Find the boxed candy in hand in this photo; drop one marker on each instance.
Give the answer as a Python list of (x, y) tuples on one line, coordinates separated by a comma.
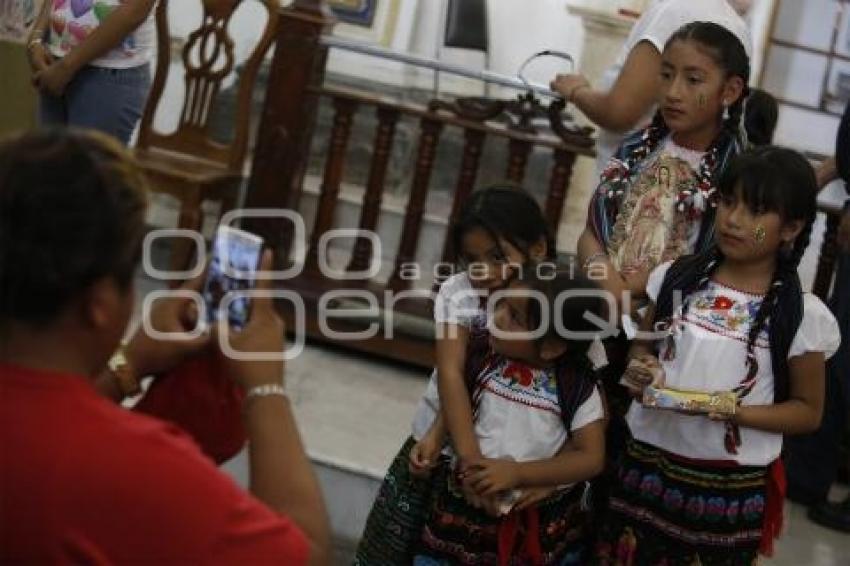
[(723, 402)]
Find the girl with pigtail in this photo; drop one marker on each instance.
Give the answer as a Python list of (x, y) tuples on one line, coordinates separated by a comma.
[(656, 198), (697, 489)]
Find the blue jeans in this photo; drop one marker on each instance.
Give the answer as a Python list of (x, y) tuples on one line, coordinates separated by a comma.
[(109, 100)]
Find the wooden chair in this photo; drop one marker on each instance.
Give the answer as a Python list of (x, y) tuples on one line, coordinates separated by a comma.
[(188, 164)]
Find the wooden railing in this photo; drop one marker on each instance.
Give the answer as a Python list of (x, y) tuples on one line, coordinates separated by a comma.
[(296, 84)]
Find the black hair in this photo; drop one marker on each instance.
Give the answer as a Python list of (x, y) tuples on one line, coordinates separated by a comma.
[(507, 212), (727, 51), (574, 374), (767, 179), (72, 207), (761, 113)]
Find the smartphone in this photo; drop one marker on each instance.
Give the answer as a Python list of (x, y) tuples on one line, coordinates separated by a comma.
[(233, 267)]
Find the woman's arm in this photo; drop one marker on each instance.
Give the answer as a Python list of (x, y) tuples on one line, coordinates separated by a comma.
[(600, 269), (120, 23), (826, 172), (630, 98), (802, 412), (454, 395), (597, 266), (37, 53), (41, 23)]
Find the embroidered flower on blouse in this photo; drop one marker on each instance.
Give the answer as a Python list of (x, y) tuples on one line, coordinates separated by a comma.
[(519, 374)]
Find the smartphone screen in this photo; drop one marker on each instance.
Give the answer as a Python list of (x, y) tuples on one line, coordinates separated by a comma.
[(233, 267)]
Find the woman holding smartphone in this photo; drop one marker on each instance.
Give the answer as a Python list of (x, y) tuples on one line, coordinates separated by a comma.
[(81, 479)]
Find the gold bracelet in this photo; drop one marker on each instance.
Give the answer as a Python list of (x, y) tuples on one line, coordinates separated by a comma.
[(592, 259), (34, 42), (124, 373)]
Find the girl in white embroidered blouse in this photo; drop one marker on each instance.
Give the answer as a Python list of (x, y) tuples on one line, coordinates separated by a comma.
[(709, 488), (539, 427), (498, 229)]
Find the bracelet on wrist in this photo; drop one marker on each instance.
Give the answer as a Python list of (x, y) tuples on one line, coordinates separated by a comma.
[(35, 41), (592, 259), (267, 390)]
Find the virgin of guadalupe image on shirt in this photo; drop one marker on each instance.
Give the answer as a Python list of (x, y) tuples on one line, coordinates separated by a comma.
[(649, 229)]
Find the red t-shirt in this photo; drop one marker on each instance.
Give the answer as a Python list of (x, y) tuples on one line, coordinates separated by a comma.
[(84, 481)]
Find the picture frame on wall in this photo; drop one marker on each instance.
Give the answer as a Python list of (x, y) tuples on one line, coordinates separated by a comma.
[(355, 12), (388, 23)]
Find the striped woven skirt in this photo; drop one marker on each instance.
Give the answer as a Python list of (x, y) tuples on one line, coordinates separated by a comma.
[(668, 510), (553, 532), (395, 522)]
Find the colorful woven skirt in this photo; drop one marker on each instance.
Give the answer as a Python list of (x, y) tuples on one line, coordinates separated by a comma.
[(395, 522), (668, 510), (553, 532)]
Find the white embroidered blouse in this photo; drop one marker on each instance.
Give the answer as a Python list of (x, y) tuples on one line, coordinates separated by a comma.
[(710, 351)]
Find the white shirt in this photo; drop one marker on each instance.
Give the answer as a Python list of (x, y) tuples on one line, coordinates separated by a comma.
[(519, 415), (457, 303), (72, 21), (710, 355), (657, 25)]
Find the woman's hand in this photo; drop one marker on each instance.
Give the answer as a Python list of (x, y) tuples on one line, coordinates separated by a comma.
[(568, 85), (491, 477), (54, 78), (264, 334), (39, 58), (173, 315)]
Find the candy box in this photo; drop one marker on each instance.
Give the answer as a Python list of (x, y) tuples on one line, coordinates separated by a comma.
[(723, 402)]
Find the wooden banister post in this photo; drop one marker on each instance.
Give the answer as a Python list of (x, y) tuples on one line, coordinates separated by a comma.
[(288, 118)]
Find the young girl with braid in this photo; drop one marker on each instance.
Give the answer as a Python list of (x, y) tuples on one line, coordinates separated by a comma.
[(696, 489), (655, 200)]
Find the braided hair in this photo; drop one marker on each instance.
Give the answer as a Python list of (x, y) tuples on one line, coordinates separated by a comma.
[(728, 53), (767, 179), (505, 212)]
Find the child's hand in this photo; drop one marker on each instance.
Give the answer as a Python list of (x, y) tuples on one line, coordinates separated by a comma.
[(490, 477), (643, 370), (424, 455), (532, 496)]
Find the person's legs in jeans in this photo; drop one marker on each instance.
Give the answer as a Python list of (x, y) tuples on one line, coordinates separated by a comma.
[(52, 110), (109, 100)]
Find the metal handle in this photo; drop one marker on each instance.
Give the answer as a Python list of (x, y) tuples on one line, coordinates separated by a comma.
[(544, 53)]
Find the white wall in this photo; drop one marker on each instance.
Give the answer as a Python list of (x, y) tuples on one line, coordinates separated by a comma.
[(517, 29)]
